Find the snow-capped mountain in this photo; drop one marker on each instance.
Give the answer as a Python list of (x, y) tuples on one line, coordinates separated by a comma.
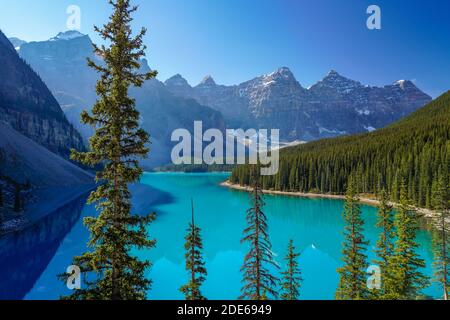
[(35, 136), (28, 106), (16, 42), (68, 35), (61, 63), (333, 106)]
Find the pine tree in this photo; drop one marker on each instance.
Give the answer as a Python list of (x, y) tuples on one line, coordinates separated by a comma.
[(352, 284), (403, 280), (441, 236), (258, 282), (194, 262), (117, 144), (385, 243), (291, 281)]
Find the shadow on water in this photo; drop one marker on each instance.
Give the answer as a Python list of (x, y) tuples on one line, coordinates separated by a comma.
[(146, 198), (33, 257), (25, 255)]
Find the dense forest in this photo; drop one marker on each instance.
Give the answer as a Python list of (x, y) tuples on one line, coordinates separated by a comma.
[(414, 150)]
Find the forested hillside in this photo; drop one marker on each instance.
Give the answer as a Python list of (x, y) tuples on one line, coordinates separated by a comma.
[(416, 149)]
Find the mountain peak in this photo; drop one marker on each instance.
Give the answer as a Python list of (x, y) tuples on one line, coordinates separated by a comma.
[(177, 81), (333, 73), (403, 84), (68, 35), (338, 82), (16, 42), (208, 81), (281, 75)]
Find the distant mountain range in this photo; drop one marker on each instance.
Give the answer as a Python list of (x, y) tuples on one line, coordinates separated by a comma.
[(35, 135), (333, 106), (61, 62), (29, 107)]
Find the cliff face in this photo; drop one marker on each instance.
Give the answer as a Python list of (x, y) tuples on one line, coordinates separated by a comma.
[(333, 106), (27, 105), (61, 62)]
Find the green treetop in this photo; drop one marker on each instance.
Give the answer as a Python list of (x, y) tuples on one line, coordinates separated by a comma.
[(291, 280), (404, 280)]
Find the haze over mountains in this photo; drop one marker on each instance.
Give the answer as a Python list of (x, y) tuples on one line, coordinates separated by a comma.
[(61, 62)]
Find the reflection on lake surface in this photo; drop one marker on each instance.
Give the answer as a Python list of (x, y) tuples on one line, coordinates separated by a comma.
[(30, 261)]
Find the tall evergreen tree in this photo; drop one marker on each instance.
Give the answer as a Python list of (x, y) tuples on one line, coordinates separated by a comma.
[(352, 284), (291, 280), (385, 243), (194, 262), (441, 236), (403, 280), (258, 281), (117, 144)]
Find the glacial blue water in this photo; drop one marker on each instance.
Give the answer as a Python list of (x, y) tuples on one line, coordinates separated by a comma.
[(31, 260)]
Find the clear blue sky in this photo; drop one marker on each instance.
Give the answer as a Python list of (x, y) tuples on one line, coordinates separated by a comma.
[(235, 40)]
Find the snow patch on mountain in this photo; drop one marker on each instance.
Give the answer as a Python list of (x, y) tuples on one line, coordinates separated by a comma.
[(68, 35)]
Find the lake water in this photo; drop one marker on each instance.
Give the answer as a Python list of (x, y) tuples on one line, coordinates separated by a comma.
[(31, 260)]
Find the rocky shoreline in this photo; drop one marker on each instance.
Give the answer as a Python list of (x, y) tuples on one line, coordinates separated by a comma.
[(426, 213)]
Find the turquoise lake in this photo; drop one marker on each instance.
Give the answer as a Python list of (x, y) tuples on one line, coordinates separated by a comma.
[(30, 261)]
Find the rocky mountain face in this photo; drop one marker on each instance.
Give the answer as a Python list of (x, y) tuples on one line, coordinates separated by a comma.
[(24, 161), (28, 106), (333, 106), (61, 62), (16, 42)]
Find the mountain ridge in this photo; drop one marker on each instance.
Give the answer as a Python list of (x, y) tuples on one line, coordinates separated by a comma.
[(29, 107), (62, 65), (278, 100)]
